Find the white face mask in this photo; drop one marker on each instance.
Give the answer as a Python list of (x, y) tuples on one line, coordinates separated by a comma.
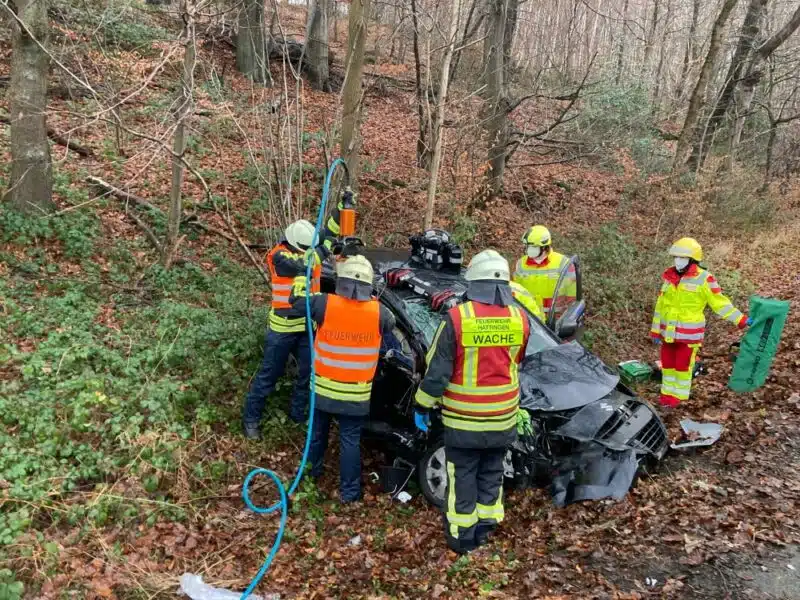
[(681, 263), (536, 253)]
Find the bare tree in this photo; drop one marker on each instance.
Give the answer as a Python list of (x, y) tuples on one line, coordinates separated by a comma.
[(622, 43), (317, 44), (422, 135), (696, 99), (251, 43), (691, 51), (747, 37), (437, 132), (31, 183), (352, 96), (182, 113), (497, 121), (753, 75)]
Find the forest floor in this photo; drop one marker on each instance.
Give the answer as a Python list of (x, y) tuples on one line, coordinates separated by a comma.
[(121, 383)]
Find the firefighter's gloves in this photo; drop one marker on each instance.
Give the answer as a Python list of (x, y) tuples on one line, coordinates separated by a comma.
[(748, 322), (656, 341), (422, 421), (524, 426), (299, 286), (317, 255), (322, 251)]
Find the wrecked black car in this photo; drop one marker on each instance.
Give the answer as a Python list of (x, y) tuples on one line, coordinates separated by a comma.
[(590, 435)]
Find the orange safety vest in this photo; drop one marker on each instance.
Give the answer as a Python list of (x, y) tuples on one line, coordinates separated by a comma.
[(282, 286), (346, 349), (483, 393)]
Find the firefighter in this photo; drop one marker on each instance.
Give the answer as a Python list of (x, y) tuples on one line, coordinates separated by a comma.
[(472, 372), (526, 299), (287, 326), (539, 270), (679, 322), (350, 326)]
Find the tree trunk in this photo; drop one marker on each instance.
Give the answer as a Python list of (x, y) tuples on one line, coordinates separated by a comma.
[(621, 51), (251, 44), (469, 31), (661, 56), (497, 123), (773, 136), (743, 102), (351, 92), (696, 99), (317, 45), (437, 132), (182, 113), (744, 47), (31, 183), (512, 10), (651, 39), (689, 56), (422, 144)]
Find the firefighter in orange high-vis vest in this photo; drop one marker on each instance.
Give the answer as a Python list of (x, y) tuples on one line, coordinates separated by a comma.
[(472, 373), (350, 326), (287, 326), (679, 321), (539, 270)]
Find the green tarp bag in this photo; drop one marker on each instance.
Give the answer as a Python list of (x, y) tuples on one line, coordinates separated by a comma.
[(759, 344)]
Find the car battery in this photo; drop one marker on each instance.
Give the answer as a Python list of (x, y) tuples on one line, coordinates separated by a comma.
[(634, 371)]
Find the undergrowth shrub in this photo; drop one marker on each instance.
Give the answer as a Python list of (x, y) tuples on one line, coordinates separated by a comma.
[(619, 116), (620, 281), (736, 206), (103, 377)]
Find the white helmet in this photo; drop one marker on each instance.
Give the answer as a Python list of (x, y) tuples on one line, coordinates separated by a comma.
[(300, 234), (357, 268), (488, 265)]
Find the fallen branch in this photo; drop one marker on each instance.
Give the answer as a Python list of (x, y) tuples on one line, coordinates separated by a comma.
[(147, 231), (193, 219), (121, 194), (59, 139)]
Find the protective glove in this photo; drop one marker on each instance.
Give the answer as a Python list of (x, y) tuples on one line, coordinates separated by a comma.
[(422, 421), (299, 286), (656, 341), (322, 252), (748, 322), (524, 425)]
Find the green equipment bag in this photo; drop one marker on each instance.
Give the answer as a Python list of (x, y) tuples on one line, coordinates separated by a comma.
[(759, 344)]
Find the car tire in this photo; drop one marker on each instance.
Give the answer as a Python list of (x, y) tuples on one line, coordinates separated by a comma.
[(432, 473)]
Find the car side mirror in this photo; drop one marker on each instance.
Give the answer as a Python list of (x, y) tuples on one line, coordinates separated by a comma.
[(570, 323)]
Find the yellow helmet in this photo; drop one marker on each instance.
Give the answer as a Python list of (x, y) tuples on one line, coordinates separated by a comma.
[(687, 248), (538, 235)]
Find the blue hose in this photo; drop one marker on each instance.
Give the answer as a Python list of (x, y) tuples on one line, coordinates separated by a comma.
[(283, 503)]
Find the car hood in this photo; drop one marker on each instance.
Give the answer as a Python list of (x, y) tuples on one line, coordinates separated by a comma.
[(564, 377)]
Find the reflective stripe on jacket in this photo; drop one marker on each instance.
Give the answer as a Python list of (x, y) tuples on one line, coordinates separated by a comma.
[(526, 299), (347, 349), (481, 398), (282, 318), (679, 313), (541, 279)]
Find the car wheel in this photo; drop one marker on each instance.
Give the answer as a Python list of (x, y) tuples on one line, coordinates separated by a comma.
[(432, 471)]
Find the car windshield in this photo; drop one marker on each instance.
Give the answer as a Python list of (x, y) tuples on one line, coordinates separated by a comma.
[(427, 320)]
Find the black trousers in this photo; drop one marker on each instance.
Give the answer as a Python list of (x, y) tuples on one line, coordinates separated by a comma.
[(474, 495)]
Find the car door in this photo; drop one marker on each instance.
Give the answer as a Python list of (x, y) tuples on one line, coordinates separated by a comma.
[(564, 316)]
